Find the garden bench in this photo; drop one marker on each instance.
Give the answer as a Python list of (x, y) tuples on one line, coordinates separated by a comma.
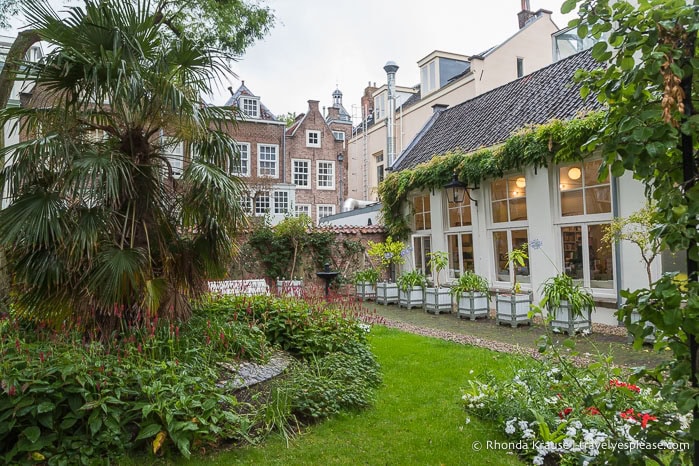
[(240, 287)]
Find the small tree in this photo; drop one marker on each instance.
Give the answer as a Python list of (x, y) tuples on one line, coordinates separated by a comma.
[(438, 261), (294, 230), (388, 253), (639, 229)]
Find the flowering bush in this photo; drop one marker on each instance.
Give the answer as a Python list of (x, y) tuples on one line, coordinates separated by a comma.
[(572, 415)]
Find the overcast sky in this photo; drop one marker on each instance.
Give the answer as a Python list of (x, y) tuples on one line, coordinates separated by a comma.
[(317, 45)]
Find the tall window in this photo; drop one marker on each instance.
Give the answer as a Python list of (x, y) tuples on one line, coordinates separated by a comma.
[(301, 173), (325, 174), (250, 107), (423, 214), (505, 241), (267, 160), (379, 167), (509, 199), (459, 214), (585, 209), (246, 204), (262, 203), (324, 210), (428, 77), (422, 246), (312, 138), (520, 67), (460, 250), (174, 153), (241, 164), (281, 202), (581, 193)]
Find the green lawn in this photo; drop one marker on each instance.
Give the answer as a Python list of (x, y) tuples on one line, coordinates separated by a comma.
[(417, 418)]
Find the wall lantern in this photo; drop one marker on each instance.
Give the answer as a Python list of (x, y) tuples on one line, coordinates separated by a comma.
[(456, 190), (574, 173), (521, 182)]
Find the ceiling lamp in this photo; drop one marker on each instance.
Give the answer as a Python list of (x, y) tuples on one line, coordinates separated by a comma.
[(521, 182), (574, 173)]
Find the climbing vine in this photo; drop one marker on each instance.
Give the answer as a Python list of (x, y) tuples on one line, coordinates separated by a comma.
[(533, 146)]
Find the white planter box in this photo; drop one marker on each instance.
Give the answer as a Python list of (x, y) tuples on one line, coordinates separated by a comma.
[(386, 293), (473, 305), (414, 297), (513, 309), (635, 317), (290, 288), (437, 300), (365, 291), (564, 320)]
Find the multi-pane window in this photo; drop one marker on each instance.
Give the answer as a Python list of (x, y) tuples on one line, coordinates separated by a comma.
[(250, 107), (241, 160), (509, 199), (324, 210), (422, 246), (312, 138), (379, 167), (267, 160), (423, 214), (459, 214), (262, 203), (581, 192), (303, 209), (174, 153), (460, 250), (586, 258), (246, 204), (505, 241), (325, 174), (339, 135), (301, 173), (428, 77), (281, 202)]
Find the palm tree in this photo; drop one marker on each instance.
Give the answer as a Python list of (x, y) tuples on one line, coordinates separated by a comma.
[(98, 225)]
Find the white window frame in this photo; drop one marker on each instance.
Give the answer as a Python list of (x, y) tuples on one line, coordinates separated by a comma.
[(422, 261), (259, 208), (308, 174), (313, 138), (583, 221), (250, 106), (332, 207), (280, 202), (339, 135), (424, 214), (243, 149), (456, 273), (275, 161), (509, 223), (302, 209), (325, 177), (173, 150), (526, 285)]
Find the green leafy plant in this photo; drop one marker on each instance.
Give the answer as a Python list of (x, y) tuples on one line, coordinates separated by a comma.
[(407, 280), (388, 253), (369, 275), (294, 228), (438, 261), (517, 257), (470, 282), (562, 288)]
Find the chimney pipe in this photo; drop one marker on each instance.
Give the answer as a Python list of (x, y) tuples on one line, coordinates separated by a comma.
[(390, 70)]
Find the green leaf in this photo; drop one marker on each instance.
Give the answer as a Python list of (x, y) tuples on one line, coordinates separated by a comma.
[(627, 63), (45, 407), (568, 6), (149, 431), (32, 433)]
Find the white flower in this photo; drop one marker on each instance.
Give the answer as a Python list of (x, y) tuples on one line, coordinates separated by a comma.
[(528, 434), (468, 420), (571, 432), (586, 463), (568, 443), (577, 424), (509, 429), (523, 425), (471, 371), (538, 460)]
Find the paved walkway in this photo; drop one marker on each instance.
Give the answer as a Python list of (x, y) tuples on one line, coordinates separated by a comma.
[(523, 340)]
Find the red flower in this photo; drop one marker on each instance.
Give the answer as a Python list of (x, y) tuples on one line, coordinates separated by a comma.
[(565, 412), (645, 417), (593, 411), (630, 386), (12, 391)]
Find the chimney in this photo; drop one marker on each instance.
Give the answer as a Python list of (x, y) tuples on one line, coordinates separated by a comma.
[(313, 106), (525, 15), (436, 108), (333, 113), (390, 70)]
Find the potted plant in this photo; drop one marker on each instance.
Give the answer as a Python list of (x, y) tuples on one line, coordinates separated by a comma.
[(472, 295), (389, 253), (365, 283), (437, 299), (411, 287), (513, 307), (569, 305)]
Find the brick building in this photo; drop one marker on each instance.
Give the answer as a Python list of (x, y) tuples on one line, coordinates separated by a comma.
[(300, 169)]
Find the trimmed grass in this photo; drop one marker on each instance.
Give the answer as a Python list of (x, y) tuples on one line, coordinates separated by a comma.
[(418, 417)]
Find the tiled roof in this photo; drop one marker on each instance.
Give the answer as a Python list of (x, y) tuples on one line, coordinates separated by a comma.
[(352, 229), (265, 114), (490, 118)]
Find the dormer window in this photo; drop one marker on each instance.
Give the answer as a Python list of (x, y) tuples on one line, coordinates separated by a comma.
[(250, 107), (428, 77)]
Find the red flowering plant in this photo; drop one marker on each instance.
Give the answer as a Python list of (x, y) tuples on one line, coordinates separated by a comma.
[(566, 410)]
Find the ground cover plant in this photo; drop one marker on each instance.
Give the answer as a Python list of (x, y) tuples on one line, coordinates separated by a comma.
[(69, 398)]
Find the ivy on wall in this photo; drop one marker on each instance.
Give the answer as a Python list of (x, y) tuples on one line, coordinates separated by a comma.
[(533, 146)]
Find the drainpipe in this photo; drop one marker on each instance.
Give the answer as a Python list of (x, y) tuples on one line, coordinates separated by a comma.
[(390, 70), (617, 250)]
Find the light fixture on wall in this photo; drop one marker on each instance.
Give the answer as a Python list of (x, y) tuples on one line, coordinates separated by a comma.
[(521, 182), (456, 190), (574, 173)]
